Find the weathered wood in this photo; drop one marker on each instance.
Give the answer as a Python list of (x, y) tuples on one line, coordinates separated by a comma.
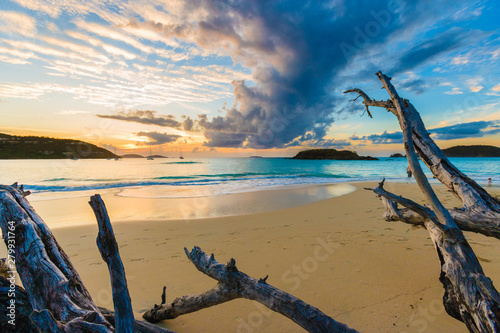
[(462, 218), (52, 284), (23, 311), (469, 295), (47, 275), (19, 314), (481, 211), (140, 326), (106, 242), (235, 284)]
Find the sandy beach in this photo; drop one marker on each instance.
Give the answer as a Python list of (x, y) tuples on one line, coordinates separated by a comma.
[(337, 254)]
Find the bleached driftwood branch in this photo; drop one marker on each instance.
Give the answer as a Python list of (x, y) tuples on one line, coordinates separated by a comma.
[(56, 298), (469, 295), (235, 284), (481, 211), (106, 242)]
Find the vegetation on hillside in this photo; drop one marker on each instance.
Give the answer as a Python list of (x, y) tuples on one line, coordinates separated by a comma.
[(37, 147), (330, 154), (472, 151)]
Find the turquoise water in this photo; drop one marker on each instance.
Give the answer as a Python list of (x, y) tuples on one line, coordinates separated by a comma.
[(173, 178)]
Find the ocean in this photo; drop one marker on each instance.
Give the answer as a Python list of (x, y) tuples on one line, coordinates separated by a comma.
[(196, 188), (174, 178)]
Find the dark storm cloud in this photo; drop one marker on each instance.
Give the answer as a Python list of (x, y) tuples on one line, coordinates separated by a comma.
[(293, 48), (145, 117), (296, 50), (158, 138), (476, 129)]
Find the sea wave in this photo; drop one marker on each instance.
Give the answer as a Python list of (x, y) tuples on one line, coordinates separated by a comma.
[(255, 179)]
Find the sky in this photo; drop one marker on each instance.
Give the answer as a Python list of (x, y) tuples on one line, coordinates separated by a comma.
[(242, 78)]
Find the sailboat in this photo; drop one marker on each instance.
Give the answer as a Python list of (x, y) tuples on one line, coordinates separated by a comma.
[(150, 157), (180, 155), (116, 158)]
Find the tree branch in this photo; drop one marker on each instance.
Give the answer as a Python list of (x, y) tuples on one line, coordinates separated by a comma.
[(235, 284)]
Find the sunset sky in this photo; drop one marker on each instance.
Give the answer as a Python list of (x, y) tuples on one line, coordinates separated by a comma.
[(239, 78)]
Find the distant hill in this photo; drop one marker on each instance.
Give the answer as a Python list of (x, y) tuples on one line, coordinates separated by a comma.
[(472, 151), (132, 156), (38, 147), (158, 156), (397, 155), (255, 157), (330, 154)]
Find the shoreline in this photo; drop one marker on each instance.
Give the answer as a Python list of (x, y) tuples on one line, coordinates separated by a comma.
[(74, 211), (372, 275)]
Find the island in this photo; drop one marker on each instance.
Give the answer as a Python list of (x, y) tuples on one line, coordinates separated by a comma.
[(38, 147), (397, 155), (472, 151), (331, 154), (132, 156), (158, 156), (255, 157)]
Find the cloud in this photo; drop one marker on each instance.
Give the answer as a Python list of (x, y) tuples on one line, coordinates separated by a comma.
[(496, 88), (454, 91), (417, 86), (475, 129), (71, 112), (430, 49), (157, 138), (384, 138), (145, 117), (17, 23), (188, 124), (294, 60)]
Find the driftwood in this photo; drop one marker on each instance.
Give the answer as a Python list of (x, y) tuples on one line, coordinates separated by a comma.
[(469, 295), (49, 278), (23, 311), (106, 242), (480, 212), (54, 298), (234, 284)]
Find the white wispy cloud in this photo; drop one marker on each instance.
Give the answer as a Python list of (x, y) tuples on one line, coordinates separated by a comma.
[(454, 91), (17, 23), (109, 32), (72, 112)]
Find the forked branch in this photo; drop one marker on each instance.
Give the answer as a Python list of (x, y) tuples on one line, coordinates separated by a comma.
[(234, 284), (469, 295)]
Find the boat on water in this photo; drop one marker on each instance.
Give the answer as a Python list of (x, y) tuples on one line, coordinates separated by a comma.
[(180, 155), (150, 157)]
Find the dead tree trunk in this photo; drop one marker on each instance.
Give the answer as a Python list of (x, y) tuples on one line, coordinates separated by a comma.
[(480, 212), (469, 295), (57, 299), (235, 284)]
